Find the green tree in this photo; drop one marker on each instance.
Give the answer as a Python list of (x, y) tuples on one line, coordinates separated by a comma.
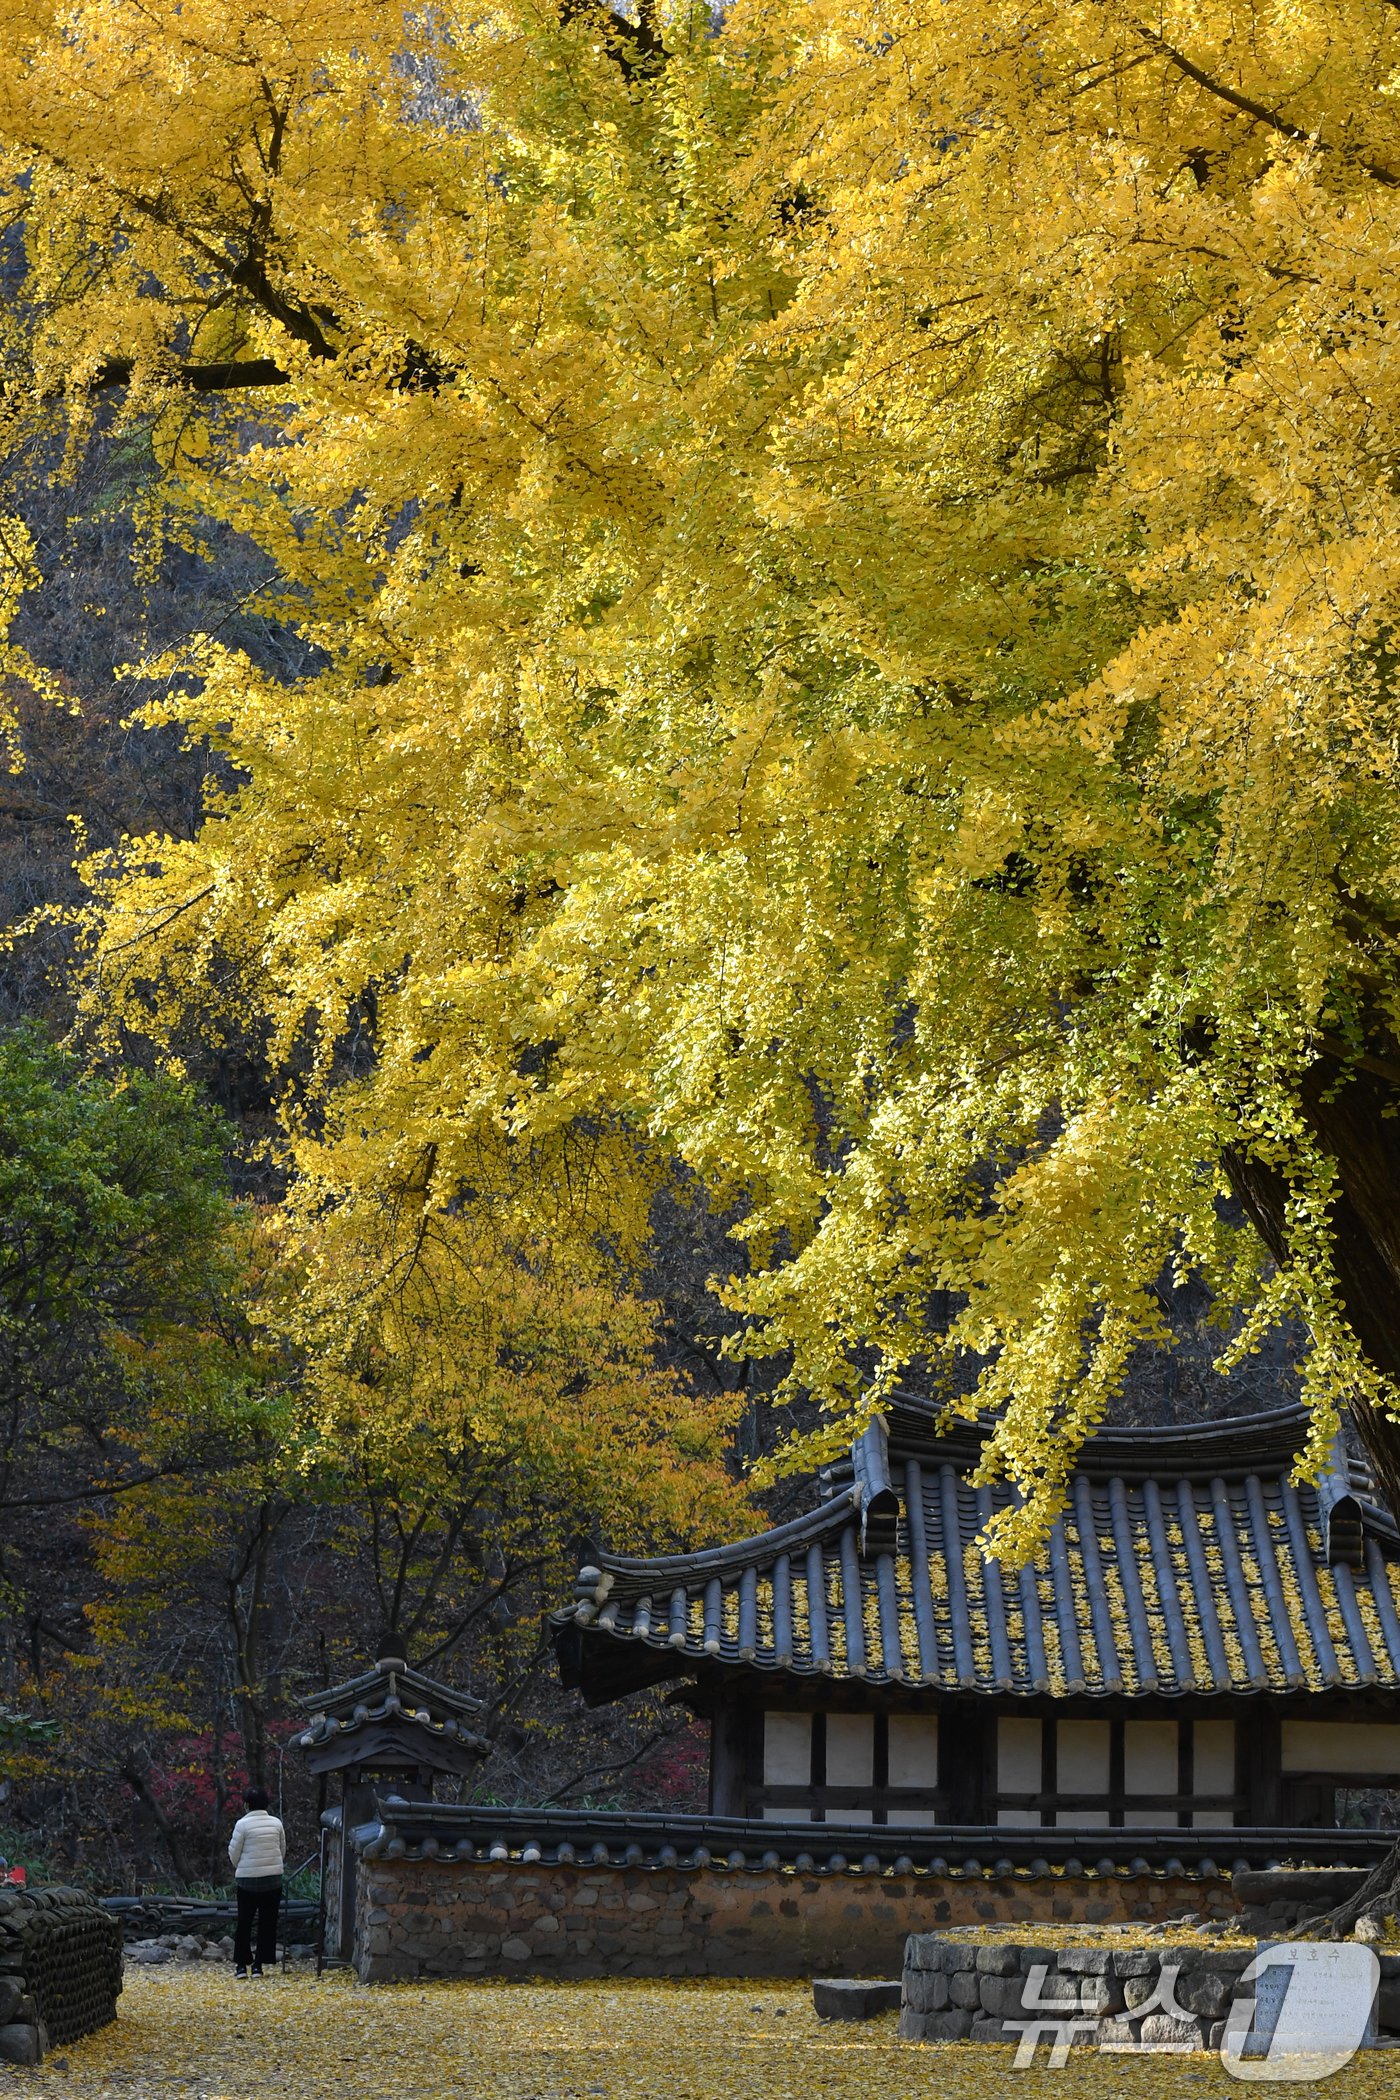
[(123, 1356)]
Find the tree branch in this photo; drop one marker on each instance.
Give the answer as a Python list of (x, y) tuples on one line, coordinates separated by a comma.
[(663, 1735), (203, 379), (1245, 104)]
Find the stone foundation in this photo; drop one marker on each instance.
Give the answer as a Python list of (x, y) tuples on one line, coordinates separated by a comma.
[(432, 1917), (1120, 1997)]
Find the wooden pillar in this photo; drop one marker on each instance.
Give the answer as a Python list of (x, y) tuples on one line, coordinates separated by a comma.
[(357, 1806), (731, 1729), (966, 1760), (1259, 1759)]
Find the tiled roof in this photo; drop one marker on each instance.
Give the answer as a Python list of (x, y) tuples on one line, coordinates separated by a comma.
[(626, 1840), (392, 1699), (1185, 1562)]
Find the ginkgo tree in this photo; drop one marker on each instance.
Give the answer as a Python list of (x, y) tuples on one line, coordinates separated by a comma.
[(850, 551)]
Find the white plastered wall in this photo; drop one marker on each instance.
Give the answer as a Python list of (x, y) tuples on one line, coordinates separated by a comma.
[(913, 1751), (787, 1751), (1018, 1758), (850, 1750)]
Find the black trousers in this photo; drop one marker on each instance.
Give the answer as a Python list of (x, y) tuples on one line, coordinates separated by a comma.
[(259, 1903)]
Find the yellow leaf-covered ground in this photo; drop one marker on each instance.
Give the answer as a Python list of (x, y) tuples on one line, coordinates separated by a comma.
[(195, 2033)]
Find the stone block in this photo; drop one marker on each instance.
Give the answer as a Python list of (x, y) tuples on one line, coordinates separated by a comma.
[(925, 1990), (963, 1989), (1085, 1961), (1205, 1992), (990, 2030), (1001, 1996), (955, 2025), (1096, 1997), (924, 1950), (852, 1998), (1135, 1961), (1158, 2028), (1118, 2033), (514, 1950), (21, 2042), (1387, 2003), (1138, 1989), (999, 1961), (1051, 1988), (1225, 1961), (11, 1991), (952, 2026)]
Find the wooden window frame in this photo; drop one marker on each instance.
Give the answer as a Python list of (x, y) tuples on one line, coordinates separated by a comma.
[(1178, 1810), (879, 1800)]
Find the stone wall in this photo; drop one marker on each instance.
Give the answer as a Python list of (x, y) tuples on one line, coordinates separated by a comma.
[(434, 1917), (60, 1969), (1122, 1996)]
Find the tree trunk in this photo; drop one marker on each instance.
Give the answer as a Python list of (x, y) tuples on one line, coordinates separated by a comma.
[(1378, 1897), (244, 1591), (1349, 1117)]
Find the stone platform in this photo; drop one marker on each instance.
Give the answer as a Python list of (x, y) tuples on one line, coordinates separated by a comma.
[(1129, 1996)]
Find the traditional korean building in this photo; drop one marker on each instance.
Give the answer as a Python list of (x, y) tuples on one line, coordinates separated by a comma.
[(389, 1733), (1201, 1645)]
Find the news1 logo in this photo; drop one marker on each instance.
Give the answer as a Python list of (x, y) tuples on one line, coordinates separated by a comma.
[(1313, 2007)]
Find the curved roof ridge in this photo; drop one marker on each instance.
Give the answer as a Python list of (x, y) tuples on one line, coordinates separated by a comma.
[(831, 1515), (1253, 1442)]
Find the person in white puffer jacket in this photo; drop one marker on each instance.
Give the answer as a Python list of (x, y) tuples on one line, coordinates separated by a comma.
[(258, 1850)]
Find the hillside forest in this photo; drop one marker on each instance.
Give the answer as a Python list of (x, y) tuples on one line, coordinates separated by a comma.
[(701, 720)]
